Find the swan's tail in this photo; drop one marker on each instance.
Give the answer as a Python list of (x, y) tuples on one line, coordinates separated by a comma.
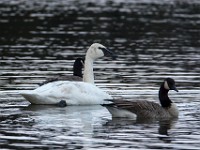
[(37, 98), (107, 102), (29, 96)]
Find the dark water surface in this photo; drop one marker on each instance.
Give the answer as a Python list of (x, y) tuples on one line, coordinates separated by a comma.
[(153, 39)]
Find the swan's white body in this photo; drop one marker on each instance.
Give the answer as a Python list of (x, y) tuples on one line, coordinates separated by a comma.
[(74, 93)]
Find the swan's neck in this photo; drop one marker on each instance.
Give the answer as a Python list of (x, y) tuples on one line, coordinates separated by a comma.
[(163, 97), (88, 75)]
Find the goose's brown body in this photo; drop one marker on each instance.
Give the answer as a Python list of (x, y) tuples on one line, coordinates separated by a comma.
[(147, 109)]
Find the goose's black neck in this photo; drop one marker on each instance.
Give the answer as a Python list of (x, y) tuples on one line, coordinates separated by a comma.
[(77, 70), (163, 97)]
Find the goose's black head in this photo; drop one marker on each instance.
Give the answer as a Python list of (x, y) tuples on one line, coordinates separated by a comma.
[(169, 84), (79, 62), (78, 66)]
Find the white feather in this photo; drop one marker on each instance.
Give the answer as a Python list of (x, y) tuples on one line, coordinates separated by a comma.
[(121, 113), (173, 110), (166, 86)]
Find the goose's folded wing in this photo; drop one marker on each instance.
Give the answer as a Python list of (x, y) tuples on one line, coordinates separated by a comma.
[(140, 108)]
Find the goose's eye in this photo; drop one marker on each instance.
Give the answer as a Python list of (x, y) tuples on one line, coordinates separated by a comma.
[(171, 84)]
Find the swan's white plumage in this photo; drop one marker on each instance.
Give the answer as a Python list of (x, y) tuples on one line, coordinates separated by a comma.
[(74, 93)]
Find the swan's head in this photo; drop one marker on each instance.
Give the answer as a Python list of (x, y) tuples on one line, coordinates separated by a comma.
[(97, 50), (169, 84)]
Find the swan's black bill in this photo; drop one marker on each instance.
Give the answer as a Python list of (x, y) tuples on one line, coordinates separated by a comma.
[(108, 52)]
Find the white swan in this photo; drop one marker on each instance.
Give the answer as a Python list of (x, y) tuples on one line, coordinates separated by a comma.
[(95, 51), (74, 93)]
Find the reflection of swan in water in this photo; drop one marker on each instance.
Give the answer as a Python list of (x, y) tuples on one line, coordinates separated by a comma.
[(68, 112), (72, 118), (73, 125)]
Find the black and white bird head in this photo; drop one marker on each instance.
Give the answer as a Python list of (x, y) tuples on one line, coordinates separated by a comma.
[(169, 84)]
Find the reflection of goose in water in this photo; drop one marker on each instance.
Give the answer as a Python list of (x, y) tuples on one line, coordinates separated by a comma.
[(4, 81), (165, 125), (146, 109), (73, 93), (77, 73), (142, 126)]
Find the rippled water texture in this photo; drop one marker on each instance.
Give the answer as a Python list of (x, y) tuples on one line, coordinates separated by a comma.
[(153, 39)]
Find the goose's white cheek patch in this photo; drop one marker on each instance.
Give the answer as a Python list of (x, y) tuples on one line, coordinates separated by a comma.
[(166, 86)]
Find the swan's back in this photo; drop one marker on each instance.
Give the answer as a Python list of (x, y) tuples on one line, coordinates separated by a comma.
[(63, 78), (74, 93)]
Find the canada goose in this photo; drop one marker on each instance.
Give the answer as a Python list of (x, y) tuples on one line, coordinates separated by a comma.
[(73, 92), (146, 109), (77, 73)]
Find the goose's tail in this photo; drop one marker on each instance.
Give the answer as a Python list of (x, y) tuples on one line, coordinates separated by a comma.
[(108, 102)]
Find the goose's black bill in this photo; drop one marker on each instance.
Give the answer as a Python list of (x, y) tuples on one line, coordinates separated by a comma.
[(174, 88)]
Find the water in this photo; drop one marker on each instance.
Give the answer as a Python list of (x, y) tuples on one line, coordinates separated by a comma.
[(153, 39)]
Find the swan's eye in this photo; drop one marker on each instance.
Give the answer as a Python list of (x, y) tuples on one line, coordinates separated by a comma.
[(102, 48)]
